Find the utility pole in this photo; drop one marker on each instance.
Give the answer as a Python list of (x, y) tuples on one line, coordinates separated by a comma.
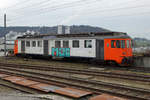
[(5, 35)]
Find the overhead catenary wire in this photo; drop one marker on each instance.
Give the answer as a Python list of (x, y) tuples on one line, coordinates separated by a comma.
[(18, 3), (115, 9), (97, 11), (32, 5), (54, 8), (57, 7), (62, 6), (123, 15)]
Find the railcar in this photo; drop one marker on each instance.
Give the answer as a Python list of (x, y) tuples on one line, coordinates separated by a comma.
[(106, 46)]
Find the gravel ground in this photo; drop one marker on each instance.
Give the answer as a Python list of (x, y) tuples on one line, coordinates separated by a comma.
[(6, 90), (15, 97), (11, 94)]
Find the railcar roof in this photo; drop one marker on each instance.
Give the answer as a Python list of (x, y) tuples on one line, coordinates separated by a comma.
[(89, 35)]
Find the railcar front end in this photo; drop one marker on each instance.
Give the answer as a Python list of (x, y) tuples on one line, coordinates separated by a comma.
[(118, 50)]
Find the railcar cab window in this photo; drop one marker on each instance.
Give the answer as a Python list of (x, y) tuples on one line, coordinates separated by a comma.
[(33, 43), (118, 43), (65, 44), (27, 43), (75, 43), (113, 43), (131, 43), (57, 44), (39, 43), (88, 43), (123, 44), (128, 43)]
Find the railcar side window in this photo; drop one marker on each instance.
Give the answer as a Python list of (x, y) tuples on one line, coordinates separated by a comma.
[(118, 43), (65, 44), (39, 43), (57, 44), (113, 43), (128, 43), (33, 43), (75, 43), (122, 43), (27, 43), (88, 43)]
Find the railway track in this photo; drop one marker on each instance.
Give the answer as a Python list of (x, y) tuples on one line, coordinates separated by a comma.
[(132, 77), (135, 69), (127, 68), (95, 86)]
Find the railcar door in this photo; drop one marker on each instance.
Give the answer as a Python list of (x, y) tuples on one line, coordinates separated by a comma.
[(100, 49), (45, 46), (113, 50), (23, 46)]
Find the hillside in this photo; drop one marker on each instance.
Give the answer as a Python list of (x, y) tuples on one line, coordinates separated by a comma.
[(48, 30), (141, 42)]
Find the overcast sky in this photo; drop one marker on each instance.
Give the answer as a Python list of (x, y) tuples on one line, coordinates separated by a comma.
[(131, 16)]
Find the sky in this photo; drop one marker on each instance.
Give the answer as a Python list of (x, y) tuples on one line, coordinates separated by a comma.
[(131, 16)]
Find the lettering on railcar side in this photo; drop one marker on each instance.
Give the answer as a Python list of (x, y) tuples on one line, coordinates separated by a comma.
[(61, 52)]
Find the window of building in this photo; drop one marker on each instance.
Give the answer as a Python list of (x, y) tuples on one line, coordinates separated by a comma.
[(113, 42), (57, 44), (118, 43), (27, 43), (39, 43), (88, 43), (122, 43), (65, 44), (33, 43), (128, 43), (75, 43)]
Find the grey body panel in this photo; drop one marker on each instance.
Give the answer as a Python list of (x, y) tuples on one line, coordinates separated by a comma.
[(100, 49), (45, 44), (22, 46)]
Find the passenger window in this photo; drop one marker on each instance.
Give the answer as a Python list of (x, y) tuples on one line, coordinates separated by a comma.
[(88, 43), (65, 44), (33, 43), (128, 43), (39, 43), (113, 43), (27, 43), (57, 44), (122, 43), (118, 43), (75, 43)]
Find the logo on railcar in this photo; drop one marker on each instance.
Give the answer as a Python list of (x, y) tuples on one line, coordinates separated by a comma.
[(61, 52)]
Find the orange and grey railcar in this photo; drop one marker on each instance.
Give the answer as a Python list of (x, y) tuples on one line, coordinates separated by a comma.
[(106, 46)]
